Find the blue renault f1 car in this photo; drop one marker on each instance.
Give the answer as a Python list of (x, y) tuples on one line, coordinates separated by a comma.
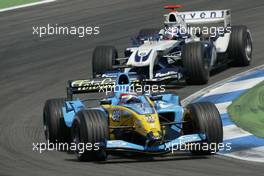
[(126, 121)]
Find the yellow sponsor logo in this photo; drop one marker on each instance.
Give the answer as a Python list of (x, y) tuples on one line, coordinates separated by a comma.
[(93, 84), (104, 84)]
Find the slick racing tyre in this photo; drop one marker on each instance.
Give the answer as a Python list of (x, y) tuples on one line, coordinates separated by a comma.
[(204, 118), (240, 46), (195, 61), (90, 128), (104, 57), (54, 126)]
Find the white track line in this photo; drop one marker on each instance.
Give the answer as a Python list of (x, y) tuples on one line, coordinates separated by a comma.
[(232, 131), (253, 154), (26, 5), (235, 86), (222, 107), (205, 90)]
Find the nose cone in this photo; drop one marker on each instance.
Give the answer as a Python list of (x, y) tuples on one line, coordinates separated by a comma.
[(153, 137)]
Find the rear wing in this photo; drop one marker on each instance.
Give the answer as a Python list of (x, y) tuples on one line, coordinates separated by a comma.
[(98, 84), (210, 17)]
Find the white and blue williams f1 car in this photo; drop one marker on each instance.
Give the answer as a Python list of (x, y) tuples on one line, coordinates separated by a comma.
[(126, 121), (189, 46)]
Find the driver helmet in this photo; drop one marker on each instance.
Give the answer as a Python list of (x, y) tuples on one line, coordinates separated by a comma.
[(171, 31), (129, 98)]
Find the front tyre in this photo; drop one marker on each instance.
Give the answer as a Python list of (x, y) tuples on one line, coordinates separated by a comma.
[(195, 61), (240, 46), (204, 118), (90, 129), (55, 128), (104, 57)]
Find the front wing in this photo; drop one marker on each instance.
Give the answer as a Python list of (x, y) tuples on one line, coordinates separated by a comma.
[(166, 147)]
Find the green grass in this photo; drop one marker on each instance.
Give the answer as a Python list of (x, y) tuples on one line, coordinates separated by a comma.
[(248, 110), (10, 3)]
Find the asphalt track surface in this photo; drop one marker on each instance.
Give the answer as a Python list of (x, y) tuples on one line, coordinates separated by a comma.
[(34, 69)]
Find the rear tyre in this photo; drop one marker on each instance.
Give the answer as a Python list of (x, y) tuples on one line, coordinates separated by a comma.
[(240, 46), (195, 61), (204, 118), (55, 128), (90, 128), (104, 57)]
